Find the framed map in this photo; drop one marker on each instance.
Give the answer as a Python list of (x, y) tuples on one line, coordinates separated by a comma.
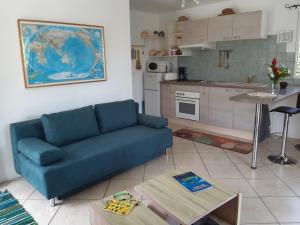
[(61, 53)]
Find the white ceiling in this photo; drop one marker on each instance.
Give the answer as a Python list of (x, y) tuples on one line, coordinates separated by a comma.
[(162, 6)]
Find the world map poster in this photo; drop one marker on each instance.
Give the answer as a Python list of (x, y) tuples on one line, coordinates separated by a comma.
[(61, 53)]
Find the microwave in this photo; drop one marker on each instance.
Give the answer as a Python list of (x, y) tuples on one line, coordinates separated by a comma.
[(159, 66)]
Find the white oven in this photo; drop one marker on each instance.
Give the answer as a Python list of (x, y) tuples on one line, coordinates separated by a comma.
[(188, 105)]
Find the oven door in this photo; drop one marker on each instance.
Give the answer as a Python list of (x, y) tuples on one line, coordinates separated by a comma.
[(187, 108)]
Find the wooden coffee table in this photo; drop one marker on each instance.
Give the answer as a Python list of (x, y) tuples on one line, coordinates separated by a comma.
[(140, 215), (174, 203)]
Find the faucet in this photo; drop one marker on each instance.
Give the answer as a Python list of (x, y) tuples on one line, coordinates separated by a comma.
[(250, 79)]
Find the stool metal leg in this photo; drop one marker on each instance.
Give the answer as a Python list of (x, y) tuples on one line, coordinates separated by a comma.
[(282, 157)]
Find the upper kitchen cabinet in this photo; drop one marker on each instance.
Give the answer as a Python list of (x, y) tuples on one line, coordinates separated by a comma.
[(220, 28), (250, 25), (194, 32)]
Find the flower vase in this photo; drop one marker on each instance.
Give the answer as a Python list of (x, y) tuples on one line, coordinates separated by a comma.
[(275, 88)]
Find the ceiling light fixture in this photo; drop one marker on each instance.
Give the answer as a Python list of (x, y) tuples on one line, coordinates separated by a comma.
[(183, 3)]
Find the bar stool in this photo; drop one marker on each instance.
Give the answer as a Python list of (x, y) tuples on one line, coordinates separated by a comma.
[(282, 158)]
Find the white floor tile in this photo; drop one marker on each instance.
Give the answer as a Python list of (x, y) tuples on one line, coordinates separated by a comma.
[(2, 185), (184, 147), (259, 172), (286, 171), (240, 158), (153, 170), (20, 189), (36, 195), (294, 184), (165, 159), (187, 158), (134, 173), (198, 169), (270, 187), (239, 186), (254, 211), (40, 210), (285, 209), (121, 185), (215, 158), (223, 171), (73, 212), (93, 193)]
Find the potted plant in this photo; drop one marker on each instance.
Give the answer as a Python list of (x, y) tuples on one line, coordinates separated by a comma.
[(276, 74)]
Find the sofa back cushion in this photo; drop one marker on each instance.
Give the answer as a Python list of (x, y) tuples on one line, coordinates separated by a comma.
[(70, 126), (116, 115)]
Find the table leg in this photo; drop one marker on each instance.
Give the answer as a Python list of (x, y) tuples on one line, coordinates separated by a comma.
[(256, 134)]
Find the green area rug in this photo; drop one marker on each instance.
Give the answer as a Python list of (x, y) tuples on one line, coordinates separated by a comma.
[(217, 141), (12, 212)]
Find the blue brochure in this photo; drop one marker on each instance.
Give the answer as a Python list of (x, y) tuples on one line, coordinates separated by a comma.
[(192, 182)]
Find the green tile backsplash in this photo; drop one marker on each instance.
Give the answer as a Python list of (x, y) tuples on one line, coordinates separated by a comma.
[(248, 58)]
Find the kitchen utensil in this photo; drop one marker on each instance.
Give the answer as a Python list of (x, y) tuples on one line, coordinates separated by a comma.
[(223, 59), (161, 34), (220, 60), (155, 33), (138, 64), (227, 60), (182, 18), (182, 73)]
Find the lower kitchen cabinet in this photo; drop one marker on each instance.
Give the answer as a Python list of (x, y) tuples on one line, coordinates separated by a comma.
[(216, 108), (168, 101), (243, 114), (204, 104), (220, 107)]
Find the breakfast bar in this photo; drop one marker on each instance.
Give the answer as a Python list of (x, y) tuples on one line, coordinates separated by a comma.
[(263, 97)]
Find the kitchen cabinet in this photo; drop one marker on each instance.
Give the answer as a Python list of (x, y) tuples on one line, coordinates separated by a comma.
[(194, 32), (216, 108), (220, 28), (221, 107), (243, 114), (168, 100), (248, 25), (204, 104)]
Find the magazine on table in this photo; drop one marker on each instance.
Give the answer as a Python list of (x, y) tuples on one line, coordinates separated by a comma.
[(192, 182)]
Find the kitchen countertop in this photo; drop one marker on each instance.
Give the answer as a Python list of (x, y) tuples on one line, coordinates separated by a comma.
[(283, 94), (239, 85)]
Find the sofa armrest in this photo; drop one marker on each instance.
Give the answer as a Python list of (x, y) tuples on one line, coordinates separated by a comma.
[(40, 152), (152, 121)]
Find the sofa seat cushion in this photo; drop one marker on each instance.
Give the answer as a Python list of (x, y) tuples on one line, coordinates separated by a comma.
[(67, 127), (152, 121), (100, 156), (116, 115), (40, 152)]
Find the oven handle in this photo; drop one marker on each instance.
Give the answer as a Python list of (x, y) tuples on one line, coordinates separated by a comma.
[(185, 100)]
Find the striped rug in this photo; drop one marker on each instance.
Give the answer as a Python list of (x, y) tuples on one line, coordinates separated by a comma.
[(13, 213)]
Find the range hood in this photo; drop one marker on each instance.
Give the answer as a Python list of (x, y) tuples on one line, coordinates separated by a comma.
[(203, 46)]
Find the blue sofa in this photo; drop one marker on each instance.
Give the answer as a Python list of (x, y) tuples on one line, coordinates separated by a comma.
[(63, 153)]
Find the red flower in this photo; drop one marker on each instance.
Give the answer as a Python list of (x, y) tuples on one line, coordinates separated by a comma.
[(274, 61)]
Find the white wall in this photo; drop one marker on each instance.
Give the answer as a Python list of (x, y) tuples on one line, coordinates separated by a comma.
[(140, 21), (18, 103)]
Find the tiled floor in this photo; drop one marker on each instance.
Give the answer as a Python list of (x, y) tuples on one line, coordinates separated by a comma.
[(271, 193)]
